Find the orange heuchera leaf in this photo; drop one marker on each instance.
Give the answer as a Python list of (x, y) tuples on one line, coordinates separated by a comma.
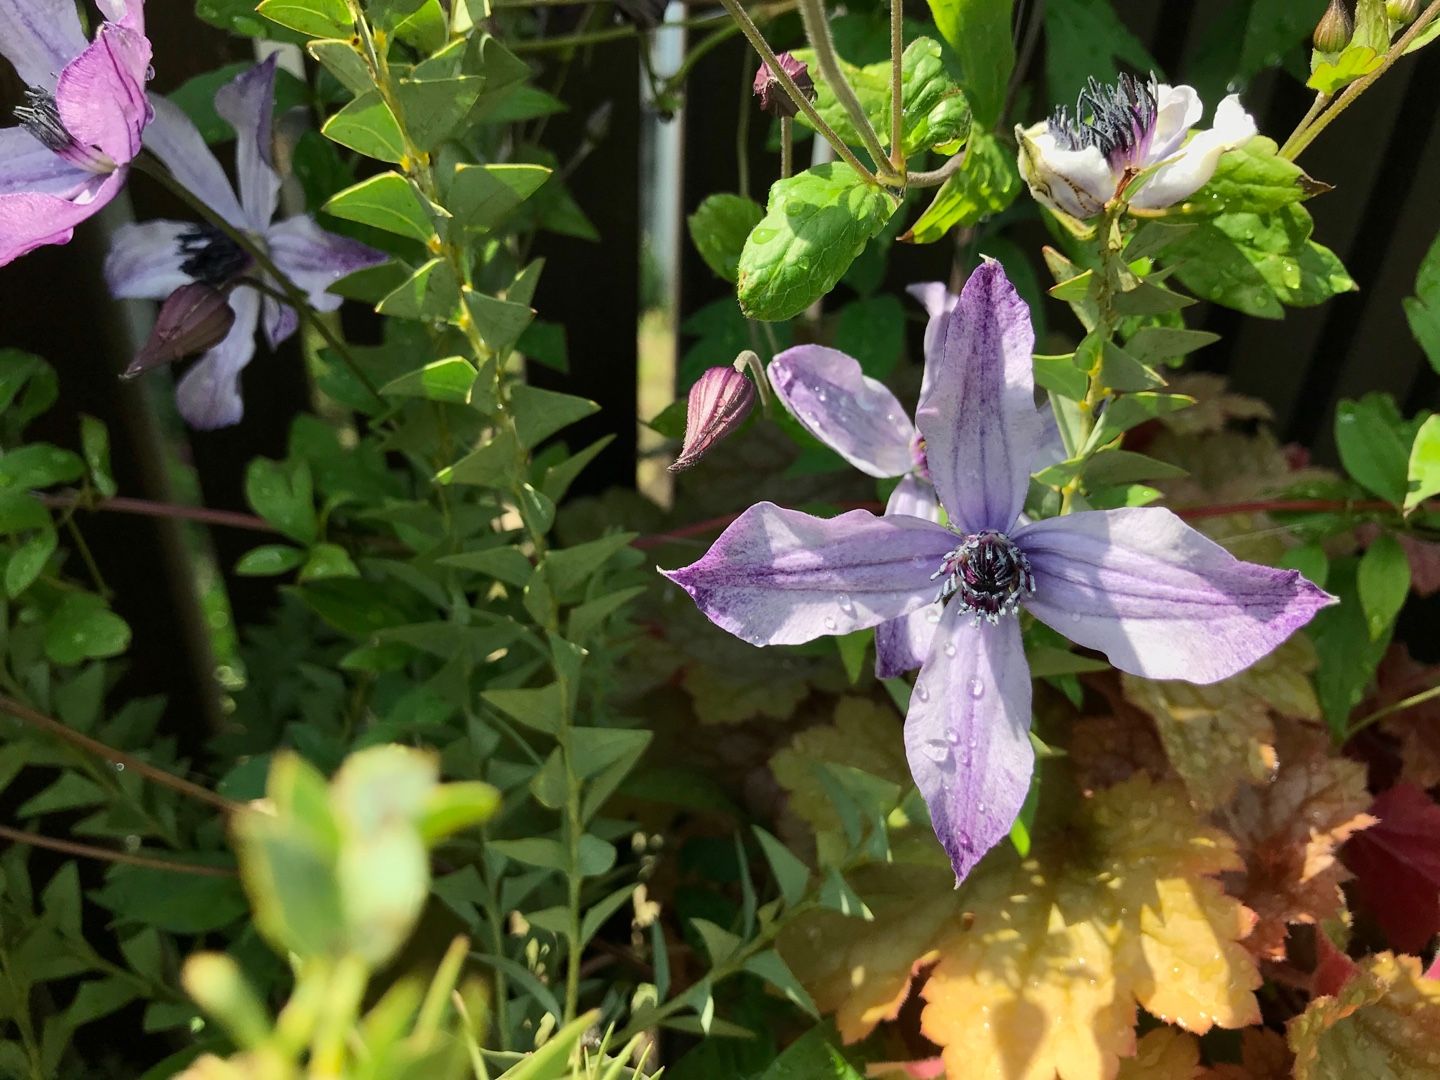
[(1120, 908), (1163, 1054), (1289, 832), (1263, 1056), (1383, 1025), (1221, 735), (862, 971), (1104, 750), (1417, 728)]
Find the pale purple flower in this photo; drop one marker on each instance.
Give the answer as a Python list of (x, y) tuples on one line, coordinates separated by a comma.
[(1077, 163), (1138, 584), (151, 260), (80, 127)]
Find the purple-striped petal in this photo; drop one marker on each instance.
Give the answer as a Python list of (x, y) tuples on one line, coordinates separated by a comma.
[(967, 734), (853, 414), (315, 259), (278, 320), (979, 420), (938, 301), (101, 93), (208, 397), (780, 577), (144, 260), (1158, 598), (902, 644), (175, 141), (40, 37), (29, 166), (247, 103), (128, 13), (29, 220)]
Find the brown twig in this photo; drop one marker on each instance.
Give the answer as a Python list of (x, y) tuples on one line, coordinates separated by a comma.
[(68, 734), (90, 851), (120, 504)]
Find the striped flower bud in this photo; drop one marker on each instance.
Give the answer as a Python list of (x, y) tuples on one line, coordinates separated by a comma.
[(719, 402), (1335, 28), (773, 98), (1402, 12), (193, 319)]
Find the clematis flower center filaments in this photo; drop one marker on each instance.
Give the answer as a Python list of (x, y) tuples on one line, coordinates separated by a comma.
[(40, 116), (209, 256), (988, 573), (1117, 120)]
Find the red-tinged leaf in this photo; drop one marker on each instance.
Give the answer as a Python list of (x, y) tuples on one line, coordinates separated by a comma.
[(1333, 968), (1417, 728), (1397, 867), (924, 1069), (1385, 1022)]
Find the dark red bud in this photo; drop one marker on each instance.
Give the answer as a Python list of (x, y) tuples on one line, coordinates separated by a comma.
[(193, 318), (719, 401), (773, 98)]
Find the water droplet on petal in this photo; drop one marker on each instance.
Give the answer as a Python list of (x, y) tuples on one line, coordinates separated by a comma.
[(936, 751), (830, 623), (977, 689), (949, 648)]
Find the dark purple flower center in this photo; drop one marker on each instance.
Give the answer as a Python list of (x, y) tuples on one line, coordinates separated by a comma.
[(1118, 120), (209, 256), (988, 573), (40, 116)]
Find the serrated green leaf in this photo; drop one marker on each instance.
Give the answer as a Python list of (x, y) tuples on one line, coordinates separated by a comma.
[(1252, 178), (719, 228), (815, 225)]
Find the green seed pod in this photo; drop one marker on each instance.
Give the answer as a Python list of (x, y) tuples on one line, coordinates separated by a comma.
[(1335, 28), (1402, 12)]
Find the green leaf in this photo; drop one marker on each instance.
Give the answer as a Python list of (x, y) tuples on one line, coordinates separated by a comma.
[(871, 85), (720, 944), (386, 201), (541, 413), (494, 465), (500, 322), (541, 709), (599, 914), (431, 292), (441, 380), (282, 493), (82, 628), (596, 857), (1257, 263), (719, 228), (173, 902), (1153, 237), (1422, 310), (318, 18), (935, 111), (433, 108), (1374, 445), (367, 126), (1059, 375), (1125, 412), (95, 444), (39, 465), (28, 561), (1383, 580), (770, 967), (342, 59), (269, 560), (873, 332), (1121, 371), (815, 225), (1332, 76), (569, 568), (1424, 471), (792, 875), (1252, 178), (980, 33), (533, 851), (451, 808), (1164, 344), (1084, 38), (550, 1062), (328, 561), (986, 184), (1348, 654), (481, 196), (507, 564)]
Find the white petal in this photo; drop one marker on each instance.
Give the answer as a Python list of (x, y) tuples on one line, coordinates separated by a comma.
[(1194, 164), (1180, 109), (1077, 182)]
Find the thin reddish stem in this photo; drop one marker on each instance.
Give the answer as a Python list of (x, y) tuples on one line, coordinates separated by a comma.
[(120, 504), (90, 851)]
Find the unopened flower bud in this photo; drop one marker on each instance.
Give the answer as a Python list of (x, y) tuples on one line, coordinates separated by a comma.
[(1335, 28), (773, 98), (1402, 12), (193, 318), (719, 401)]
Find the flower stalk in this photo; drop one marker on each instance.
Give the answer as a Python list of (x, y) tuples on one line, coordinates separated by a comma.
[(817, 29), (897, 89)]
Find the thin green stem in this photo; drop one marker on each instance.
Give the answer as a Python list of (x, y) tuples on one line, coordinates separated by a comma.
[(1390, 710), (817, 29), (802, 102), (294, 295), (704, 47), (1297, 142), (897, 89), (936, 177), (1316, 107), (742, 132)]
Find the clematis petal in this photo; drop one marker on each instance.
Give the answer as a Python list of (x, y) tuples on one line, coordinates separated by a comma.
[(979, 421), (175, 141), (128, 13), (144, 260), (1076, 182), (101, 93), (247, 103), (1158, 598), (902, 644), (1195, 162), (856, 416), (208, 397), (939, 301), (40, 37), (29, 220), (1178, 109), (780, 577), (29, 166), (315, 259), (278, 320), (967, 734)]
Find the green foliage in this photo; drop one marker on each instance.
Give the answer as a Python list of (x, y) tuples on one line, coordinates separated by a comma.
[(719, 228), (986, 185), (979, 32)]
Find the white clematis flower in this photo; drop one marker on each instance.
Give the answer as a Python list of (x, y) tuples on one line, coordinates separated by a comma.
[(1079, 163)]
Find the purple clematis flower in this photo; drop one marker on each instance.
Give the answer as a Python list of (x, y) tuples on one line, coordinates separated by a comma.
[(80, 127), (150, 261), (1138, 584)]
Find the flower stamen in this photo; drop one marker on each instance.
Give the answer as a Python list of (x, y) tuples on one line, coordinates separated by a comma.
[(211, 257), (988, 573), (1118, 120), (40, 116)]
